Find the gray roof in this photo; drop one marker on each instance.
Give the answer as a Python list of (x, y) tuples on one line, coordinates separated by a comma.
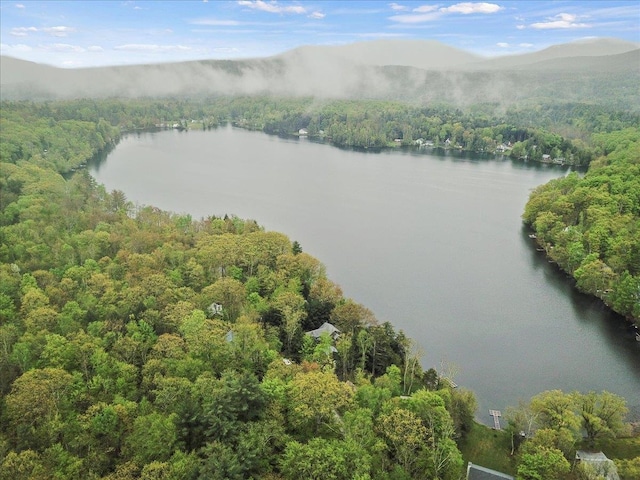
[(476, 472), (600, 463), (325, 327)]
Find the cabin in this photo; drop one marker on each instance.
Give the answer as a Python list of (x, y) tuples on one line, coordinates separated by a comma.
[(303, 132), (326, 327), (546, 158), (476, 472), (602, 466)]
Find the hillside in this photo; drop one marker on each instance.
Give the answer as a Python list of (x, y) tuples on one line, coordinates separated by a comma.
[(413, 71)]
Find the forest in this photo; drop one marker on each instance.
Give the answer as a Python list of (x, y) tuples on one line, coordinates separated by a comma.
[(138, 343), (590, 225)]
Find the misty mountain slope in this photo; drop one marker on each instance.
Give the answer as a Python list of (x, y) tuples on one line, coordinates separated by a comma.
[(585, 48), (434, 73), (424, 54)]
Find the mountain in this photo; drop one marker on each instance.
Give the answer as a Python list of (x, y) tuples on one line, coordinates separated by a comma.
[(600, 47), (424, 54), (602, 71)]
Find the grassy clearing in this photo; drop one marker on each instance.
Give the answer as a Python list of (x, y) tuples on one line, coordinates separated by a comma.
[(489, 448)]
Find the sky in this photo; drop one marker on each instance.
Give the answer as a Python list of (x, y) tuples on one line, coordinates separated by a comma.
[(90, 33)]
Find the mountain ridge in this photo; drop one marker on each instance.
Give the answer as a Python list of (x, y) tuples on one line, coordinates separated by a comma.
[(407, 70)]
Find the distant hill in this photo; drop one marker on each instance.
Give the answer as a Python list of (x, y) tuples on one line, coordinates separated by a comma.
[(600, 47), (605, 71), (424, 54)]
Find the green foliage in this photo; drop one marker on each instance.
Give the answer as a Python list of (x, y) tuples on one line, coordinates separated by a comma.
[(112, 364), (542, 463), (591, 226)]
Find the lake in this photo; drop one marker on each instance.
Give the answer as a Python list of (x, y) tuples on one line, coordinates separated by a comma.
[(432, 242)]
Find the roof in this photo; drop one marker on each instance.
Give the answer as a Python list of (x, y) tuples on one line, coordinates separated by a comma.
[(476, 472), (600, 463), (325, 327)]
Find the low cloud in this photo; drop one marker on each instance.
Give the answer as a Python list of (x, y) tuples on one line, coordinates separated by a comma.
[(14, 49), (317, 15), (502, 44), (63, 47), (59, 31), (272, 7), (95, 48), (562, 20), (19, 5), (151, 48)]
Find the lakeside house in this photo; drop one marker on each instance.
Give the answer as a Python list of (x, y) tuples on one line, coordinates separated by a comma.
[(326, 327), (601, 465), (303, 132)]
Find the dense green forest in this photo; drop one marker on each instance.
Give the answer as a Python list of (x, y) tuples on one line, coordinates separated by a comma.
[(561, 132), (591, 225), (137, 343)]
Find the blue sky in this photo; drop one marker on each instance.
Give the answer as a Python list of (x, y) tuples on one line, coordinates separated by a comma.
[(93, 33)]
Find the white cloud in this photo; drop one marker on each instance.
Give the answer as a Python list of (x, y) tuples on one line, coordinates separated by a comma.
[(272, 7), (428, 13), (562, 20), (22, 31), (469, 7), (95, 48), (502, 45), (426, 8), (60, 31), (214, 22), (151, 48), (416, 18), (19, 5), (398, 8), (526, 45), (520, 27), (318, 15), (63, 47), (15, 49)]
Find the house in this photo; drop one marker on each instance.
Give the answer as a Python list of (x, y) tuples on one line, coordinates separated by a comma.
[(601, 465), (546, 158), (476, 472), (326, 327), (303, 131)]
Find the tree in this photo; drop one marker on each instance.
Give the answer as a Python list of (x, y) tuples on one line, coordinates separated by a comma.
[(556, 410), (602, 414), (542, 463), (323, 459), (38, 401), (405, 435), (153, 438), (317, 399), (291, 307)]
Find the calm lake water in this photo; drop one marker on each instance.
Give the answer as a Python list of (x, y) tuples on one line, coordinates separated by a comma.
[(431, 242)]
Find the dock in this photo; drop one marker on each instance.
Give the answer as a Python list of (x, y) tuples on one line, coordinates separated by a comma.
[(496, 414)]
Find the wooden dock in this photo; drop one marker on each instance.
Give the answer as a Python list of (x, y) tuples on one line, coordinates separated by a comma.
[(496, 414)]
